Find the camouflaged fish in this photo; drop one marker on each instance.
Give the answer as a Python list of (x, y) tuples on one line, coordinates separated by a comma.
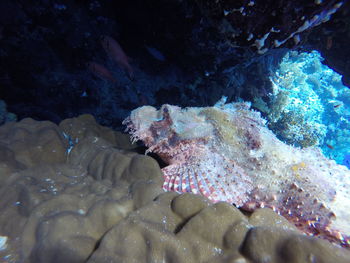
[(227, 153)]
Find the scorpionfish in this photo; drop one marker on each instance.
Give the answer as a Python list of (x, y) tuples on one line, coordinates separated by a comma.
[(227, 153)]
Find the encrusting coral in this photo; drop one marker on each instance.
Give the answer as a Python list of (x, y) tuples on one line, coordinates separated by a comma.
[(226, 153)]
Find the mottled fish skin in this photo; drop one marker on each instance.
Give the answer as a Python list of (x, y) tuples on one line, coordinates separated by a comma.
[(227, 153)]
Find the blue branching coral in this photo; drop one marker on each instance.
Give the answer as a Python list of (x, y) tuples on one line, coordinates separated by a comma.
[(310, 105)]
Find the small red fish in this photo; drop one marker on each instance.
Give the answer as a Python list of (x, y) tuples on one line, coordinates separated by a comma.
[(336, 106), (101, 71), (329, 146), (329, 43), (115, 51)]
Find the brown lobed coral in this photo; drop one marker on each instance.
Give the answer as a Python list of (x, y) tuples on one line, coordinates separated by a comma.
[(78, 192)]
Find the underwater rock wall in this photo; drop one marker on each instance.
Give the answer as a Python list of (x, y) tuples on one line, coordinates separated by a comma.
[(186, 48), (267, 24), (78, 192)]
